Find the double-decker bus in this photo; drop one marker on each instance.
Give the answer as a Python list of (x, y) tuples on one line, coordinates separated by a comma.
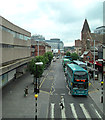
[(77, 79), (68, 57), (80, 63), (65, 62)]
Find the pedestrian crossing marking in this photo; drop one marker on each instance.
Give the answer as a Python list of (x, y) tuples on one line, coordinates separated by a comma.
[(96, 111), (85, 111), (73, 110), (63, 110), (52, 110)]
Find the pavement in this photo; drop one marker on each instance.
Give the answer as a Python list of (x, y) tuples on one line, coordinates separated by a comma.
[(20, 106), (96, 94)]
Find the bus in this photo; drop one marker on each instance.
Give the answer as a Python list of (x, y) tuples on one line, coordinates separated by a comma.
[(65, 62), (77, 79), (80, 63), (68, 57)]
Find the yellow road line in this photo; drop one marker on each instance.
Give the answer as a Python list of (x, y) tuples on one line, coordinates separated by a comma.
[(43, 81), (45, 92)]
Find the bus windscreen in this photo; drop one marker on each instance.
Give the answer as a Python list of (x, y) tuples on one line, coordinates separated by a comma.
[(80, 76)]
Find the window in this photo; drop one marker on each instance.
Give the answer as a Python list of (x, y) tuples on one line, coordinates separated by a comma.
[(81, 75)]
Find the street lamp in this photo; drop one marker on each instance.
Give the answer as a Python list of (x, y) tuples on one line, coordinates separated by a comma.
[(35, 87)]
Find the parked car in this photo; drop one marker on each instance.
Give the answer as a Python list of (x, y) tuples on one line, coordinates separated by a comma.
[(54, 59), (57, 57)]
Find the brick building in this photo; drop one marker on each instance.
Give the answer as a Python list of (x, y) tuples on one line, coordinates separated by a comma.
[(78, 46), (39, 48)]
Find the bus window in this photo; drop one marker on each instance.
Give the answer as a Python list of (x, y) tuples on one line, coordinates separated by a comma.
[(80, 76)]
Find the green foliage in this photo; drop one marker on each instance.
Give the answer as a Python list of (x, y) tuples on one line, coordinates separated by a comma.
[(50, 56), (74, 56), (68, 54), (32, 66), (46, 58)]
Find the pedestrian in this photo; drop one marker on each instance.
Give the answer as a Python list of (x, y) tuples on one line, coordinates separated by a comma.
[(26, 91), (61, 102)]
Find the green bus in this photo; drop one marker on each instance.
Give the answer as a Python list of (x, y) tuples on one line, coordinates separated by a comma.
[(77, 79), (65, 62)]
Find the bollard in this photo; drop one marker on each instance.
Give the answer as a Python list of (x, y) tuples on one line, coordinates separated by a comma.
[(102, 91)]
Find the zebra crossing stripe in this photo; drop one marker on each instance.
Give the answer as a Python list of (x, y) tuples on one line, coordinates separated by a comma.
[(73, 110), (85, 111), (52, 110), (63, 111), (96, 111)]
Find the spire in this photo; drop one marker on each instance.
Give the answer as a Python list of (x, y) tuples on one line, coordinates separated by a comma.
[(85, 27)]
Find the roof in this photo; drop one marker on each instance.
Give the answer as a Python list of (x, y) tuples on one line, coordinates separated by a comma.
[(85, 27), (85, 53), (65, 59), (97, 37), (75, 67), (79, 62)]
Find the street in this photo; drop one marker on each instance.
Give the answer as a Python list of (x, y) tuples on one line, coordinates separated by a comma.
[(53, 86)]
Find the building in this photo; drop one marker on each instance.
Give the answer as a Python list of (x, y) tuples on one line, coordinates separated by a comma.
[(100, 30), (78, 47), (15, 49), (57, 46), (90, 40), (85, 36), (39, 47)]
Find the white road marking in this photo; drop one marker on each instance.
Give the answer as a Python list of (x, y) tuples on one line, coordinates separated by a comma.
[(63, 113), (63, 110), (52, 110), (85, 111), (62, 94), (96, 111), (73, 111)]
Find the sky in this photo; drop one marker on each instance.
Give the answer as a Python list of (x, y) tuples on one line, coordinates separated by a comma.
[(61, 19)]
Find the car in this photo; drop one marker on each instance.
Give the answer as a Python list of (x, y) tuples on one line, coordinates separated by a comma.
[(54, 59), (57, 57)]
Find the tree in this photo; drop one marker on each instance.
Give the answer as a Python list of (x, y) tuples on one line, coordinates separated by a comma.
[(50, 56), (32, 66), (74, 56), (68, 53)]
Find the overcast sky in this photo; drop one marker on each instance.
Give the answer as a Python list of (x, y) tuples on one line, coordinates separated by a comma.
[(54, 18)]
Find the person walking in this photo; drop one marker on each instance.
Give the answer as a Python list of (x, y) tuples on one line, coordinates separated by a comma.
[(62, 102), (26, 91)]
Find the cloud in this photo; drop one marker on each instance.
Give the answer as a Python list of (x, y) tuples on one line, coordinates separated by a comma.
[(53, 18)]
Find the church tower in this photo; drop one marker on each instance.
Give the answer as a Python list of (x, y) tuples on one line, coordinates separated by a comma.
[(85, 35)]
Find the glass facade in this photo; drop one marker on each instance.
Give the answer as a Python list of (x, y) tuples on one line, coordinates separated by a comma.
[(15, 34)]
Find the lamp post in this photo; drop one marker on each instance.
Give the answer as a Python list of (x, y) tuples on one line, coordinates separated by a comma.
[(36, 90)]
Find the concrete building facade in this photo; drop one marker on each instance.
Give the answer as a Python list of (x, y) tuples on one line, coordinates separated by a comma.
[(15, 46)]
